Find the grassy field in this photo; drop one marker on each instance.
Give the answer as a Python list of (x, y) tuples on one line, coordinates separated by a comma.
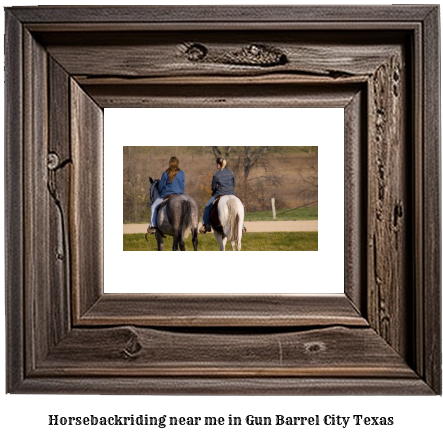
[(300, 214), (293, 241)]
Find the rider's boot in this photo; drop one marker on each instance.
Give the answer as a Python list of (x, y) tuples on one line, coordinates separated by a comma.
[(205, 229), (151, 230)]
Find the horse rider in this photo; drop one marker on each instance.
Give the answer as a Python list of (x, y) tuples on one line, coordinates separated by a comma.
[(171, 182), (223, 183)]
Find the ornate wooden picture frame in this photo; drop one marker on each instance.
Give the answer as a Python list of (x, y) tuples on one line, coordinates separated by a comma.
[(64, 65)]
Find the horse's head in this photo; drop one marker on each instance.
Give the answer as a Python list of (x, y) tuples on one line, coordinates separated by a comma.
[(154, 189)]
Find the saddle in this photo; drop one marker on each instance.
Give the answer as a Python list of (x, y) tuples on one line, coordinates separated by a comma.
[(165, 200)]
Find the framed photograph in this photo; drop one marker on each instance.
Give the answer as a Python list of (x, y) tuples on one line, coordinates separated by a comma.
[(264, 183), (286, 247), (65, 65)]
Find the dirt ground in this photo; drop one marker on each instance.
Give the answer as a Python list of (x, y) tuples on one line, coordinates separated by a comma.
[(259, 226)]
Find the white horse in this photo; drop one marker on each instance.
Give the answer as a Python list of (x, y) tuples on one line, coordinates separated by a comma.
[(227, 221)]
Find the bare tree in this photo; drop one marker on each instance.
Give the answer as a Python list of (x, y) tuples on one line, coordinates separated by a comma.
[(218, 153), (251, 156), (243, 161), (309, 178)]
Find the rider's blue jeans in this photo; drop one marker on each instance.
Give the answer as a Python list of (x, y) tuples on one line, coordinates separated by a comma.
[(154, 206), (207, 211)]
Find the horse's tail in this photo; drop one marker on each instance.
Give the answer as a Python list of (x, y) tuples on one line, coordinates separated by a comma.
[(234, 220), (186, 220)]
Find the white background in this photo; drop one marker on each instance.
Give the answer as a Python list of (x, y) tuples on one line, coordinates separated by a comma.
[(26, 415), (246, 272)]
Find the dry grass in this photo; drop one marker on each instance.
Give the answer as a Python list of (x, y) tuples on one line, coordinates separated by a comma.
[(287, 174)]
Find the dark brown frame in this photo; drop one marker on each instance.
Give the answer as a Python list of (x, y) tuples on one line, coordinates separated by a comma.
[(64, 65)]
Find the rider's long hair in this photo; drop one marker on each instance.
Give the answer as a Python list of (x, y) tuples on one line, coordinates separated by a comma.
[(173, 168), (222, 162)]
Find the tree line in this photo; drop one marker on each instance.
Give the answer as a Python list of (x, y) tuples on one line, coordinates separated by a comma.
[(261, 173)]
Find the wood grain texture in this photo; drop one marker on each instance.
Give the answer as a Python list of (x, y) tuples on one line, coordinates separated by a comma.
[(129, 351), (417, 358), (388, 204), (431, 321), (227, 386), (166, 54), (59, 180), (355, 195), (86, 198), (260, 78), (14, 239), (233, 26), (205, 310), (226, 96), (227, 14), (37, 306), (78, 60)]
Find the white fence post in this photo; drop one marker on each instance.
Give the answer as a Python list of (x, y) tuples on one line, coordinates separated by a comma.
[(274, 216)]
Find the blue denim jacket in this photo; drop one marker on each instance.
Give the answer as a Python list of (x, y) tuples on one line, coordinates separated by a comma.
[(177, 185), (223, 183)]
